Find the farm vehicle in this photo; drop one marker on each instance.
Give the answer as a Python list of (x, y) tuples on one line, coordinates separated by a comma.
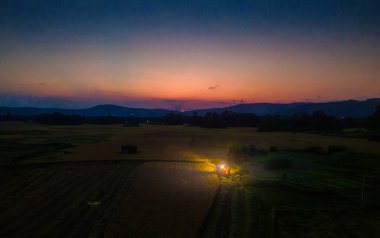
[(222, 169)]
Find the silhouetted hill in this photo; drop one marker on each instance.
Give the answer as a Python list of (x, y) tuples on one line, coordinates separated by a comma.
[(100, 110), (255, 108), (115, 110), (348, 108)]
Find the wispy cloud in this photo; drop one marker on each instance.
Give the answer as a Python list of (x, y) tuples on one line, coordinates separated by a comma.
[(213, 87)]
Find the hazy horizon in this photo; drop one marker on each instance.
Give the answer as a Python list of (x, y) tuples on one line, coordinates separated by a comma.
[(171, 105)]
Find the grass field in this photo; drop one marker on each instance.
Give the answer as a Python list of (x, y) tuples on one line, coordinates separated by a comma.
[(72, 181), (32, 142)]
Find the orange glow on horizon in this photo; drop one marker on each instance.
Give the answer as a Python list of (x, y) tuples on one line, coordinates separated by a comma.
[(205, 74)]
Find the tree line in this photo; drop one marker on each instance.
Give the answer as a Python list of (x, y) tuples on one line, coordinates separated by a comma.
[(58, 118), (318, 121)]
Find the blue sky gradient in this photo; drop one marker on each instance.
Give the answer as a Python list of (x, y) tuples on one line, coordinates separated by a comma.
[(169, 53)]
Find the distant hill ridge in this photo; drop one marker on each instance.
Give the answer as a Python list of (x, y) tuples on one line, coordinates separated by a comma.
[(99, 110), (347, 108)]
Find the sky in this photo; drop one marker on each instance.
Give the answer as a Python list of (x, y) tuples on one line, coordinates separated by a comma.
[(188, 54)]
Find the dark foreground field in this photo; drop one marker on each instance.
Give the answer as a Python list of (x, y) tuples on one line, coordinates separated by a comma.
[(72, 181), (61, 200)]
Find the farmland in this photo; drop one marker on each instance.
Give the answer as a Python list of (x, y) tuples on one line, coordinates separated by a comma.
[(62, 200), (179, 194), (72, 181)]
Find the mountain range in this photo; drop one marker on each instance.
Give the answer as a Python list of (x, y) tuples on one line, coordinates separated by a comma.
[(99, 110), (347, 108)]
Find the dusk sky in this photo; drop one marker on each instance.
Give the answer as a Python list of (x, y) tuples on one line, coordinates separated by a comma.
[(187, 54)]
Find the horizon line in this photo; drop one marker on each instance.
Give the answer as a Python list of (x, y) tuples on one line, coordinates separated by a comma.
[(162, 108)]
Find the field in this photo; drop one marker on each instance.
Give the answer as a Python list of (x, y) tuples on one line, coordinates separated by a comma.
[(73, 181), (61, 200), (170, 199)]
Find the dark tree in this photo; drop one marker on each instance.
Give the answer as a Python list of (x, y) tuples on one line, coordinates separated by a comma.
[(195, 120), (374, 124), (9, 116), (58, 118), (213, 120), (323, 122), (271, 123), (172, 118)]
